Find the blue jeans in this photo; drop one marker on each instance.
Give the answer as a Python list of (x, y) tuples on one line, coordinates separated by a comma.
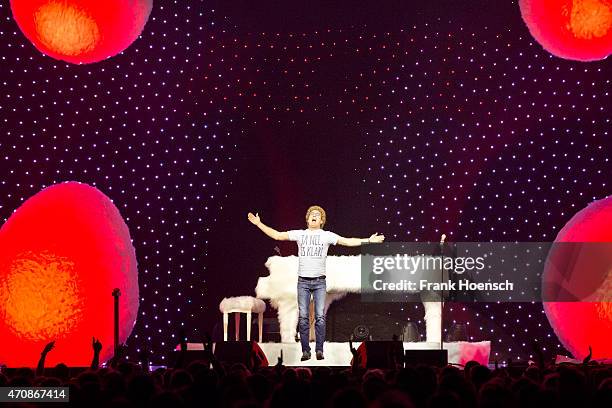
[(317, 288)]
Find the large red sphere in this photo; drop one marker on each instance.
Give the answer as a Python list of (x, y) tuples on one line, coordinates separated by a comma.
[(579, 325), (571, 29), (63, 252), (81, 31)]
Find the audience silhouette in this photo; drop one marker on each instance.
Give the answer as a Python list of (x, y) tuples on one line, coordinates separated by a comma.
[(210, 383)]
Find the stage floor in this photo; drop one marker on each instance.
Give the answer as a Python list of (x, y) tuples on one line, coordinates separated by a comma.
[(339, 354)]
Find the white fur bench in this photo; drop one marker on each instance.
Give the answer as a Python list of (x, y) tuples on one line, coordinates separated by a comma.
[(242, 304), (343, 276)]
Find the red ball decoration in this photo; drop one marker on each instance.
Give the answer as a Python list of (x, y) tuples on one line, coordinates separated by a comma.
[(579, 325), (81, 31), (63, 252), (571, 29)]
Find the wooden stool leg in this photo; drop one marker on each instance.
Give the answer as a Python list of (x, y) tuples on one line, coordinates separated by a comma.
[(237, 322), (225, 324), (260, 322), (248, 325)]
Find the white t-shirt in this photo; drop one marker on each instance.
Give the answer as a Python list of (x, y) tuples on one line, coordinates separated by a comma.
[(312, 250)]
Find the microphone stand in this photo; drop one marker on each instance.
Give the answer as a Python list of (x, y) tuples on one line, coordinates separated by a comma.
[(116, 294), (442, 293), (442, 298)]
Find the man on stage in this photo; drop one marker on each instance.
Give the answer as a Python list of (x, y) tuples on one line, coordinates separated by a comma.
[(313, 243)]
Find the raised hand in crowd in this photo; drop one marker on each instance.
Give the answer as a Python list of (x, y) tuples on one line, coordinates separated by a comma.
[(97, 347), (43, 355), (587, 359)]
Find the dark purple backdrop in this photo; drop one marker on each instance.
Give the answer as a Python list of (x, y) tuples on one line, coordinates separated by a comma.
[(398, 118)]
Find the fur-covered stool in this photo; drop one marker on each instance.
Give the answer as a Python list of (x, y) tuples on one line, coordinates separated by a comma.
[(242, 304)]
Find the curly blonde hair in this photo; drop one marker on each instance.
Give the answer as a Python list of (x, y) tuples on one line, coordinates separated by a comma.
[(319, 209)]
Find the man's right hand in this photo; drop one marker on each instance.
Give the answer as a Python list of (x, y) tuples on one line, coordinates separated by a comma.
[(254, 218), (271, 232)]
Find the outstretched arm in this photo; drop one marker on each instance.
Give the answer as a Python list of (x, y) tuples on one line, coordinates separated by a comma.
[(374, 239), (271, 232)]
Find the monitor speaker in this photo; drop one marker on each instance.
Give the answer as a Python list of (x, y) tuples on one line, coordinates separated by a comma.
[(381, 354), (246, 352), (437, 358)]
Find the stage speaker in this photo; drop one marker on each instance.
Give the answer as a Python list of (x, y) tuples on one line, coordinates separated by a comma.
[(271, 330), (246, 352), (381, 354), (194, 352), (437, 358), (183, 359), (361, 332), (458, 332)]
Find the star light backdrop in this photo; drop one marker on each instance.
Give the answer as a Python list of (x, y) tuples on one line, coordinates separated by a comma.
[(409, 124)]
